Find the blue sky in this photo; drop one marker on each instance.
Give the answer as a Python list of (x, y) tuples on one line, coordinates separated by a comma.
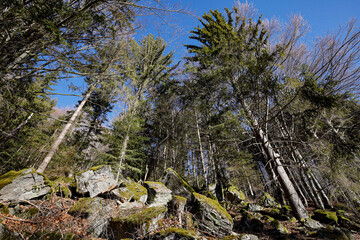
[(323, 16)]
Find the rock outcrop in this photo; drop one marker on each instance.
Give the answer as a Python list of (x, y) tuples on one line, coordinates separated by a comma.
[(211, 216), (23, 185), (97, 211), (95, 181), (158, 194), (177, 184), (131, 191), (127, 223)]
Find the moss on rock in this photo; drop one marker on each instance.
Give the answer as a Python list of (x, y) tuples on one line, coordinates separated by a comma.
[(4, 209), (179, 232), (215, 204), (133, 190), (8, 177), (86, 206), (128, 222), (325, 216), (280, 228), (139, 216)]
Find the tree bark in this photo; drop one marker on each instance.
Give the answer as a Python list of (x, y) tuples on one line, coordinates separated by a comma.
[(201, 151), (297, 205), (61, 137)]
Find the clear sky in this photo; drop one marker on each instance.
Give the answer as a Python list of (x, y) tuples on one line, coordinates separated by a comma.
[(322, 15)]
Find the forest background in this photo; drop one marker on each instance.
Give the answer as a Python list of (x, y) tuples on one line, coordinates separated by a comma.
[(259, 103)]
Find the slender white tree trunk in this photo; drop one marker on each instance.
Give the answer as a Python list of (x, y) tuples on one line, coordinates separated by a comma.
[(296, 204), (56, 144), (201, 151)]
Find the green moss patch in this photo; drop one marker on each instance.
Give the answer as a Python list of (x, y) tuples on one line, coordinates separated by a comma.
[(4, 209), (214, 204), (180, 232), (179, 199), (183, 181), (86, 206), (238, 192), (325, 216), (8, 177), (139, 216), (134, 190)]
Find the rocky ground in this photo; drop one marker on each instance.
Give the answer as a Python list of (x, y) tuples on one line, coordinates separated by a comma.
[(93, 205)]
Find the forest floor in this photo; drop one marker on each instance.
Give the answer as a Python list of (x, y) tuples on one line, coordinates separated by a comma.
[(44, 216)]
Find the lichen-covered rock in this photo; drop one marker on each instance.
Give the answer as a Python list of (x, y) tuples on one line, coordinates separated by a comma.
[(97, 211), (211, 216), (279, 227), (158, 194), (23, 185), (254, 207), (312, 224), (269, 201), (176, 234), (326, 217), (128, 222), (248, 237), (131, 190), (234, 195), (95, 181), (177, 184)]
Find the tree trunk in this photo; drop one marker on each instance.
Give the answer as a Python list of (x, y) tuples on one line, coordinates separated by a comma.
[(66, 129), (201, 151), (297, 205), (123, 153)]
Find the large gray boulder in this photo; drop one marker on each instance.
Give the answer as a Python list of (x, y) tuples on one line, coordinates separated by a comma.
[(130, 222), (234, 195), (211, 216), (95, 181), (23, 185), (158, 194), (97, 211), (131, 191), (177, 184)]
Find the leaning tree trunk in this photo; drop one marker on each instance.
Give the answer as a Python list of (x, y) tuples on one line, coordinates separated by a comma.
[(61, 137), (296, 204)]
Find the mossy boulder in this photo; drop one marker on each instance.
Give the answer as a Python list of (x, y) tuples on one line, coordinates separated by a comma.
[(95, 181), (176, 233), (131, 191), (129, 222), (158, 194), (211, 216), (280, 228), (63, 186), (348, 223), (178, 185), (234, 195), (334, 233), (250, 222), (269, 201), (24, 185), (312, 224), (326, 217), (97, 211)]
